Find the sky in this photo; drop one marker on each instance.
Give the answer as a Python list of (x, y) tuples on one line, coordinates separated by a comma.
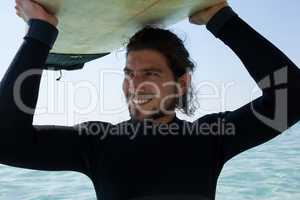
[(221, 81)]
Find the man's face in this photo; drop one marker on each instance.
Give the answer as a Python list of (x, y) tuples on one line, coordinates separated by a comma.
[(149, 85)]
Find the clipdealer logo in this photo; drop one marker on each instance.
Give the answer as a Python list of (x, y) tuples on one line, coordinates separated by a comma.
[(277, 84)]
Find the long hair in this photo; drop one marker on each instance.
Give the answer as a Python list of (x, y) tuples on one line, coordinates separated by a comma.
[(172, 48)]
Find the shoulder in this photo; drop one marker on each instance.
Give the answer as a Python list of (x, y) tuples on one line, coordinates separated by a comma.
[(211, 117)]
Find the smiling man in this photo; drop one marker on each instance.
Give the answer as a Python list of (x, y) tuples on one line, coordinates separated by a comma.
[(150, 85), (167, 158)]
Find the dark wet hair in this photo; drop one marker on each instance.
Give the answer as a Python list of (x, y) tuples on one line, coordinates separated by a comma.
[(172, 47)]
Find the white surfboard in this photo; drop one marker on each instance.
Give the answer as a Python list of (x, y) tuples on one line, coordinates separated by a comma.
[(101, 26)]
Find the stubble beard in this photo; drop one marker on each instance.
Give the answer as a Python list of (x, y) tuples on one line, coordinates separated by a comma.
[(135, 113)]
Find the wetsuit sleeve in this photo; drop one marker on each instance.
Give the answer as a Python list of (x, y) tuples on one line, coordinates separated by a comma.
[(22, 144), (276, 75)]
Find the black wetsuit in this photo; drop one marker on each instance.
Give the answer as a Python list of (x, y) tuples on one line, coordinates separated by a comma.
[(153, 164)]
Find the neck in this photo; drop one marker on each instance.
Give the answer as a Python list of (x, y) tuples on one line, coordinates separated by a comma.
[(165, 119), (161, 119)]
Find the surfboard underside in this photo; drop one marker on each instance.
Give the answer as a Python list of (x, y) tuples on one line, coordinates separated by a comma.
[(98, 27)]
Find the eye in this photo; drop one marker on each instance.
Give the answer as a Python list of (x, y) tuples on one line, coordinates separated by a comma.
[(152, 73), (128, 74)]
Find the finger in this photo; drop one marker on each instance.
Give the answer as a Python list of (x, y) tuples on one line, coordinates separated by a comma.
[(18, 13), (18, 3), (222, 3), (24, 3), (192, 19)]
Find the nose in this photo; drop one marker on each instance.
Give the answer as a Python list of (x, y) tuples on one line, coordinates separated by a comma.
[(139, 83), (136, 83)]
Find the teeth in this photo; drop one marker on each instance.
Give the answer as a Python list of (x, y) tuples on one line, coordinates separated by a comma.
[(140, 101)]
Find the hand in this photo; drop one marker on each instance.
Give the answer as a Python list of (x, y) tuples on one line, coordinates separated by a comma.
[(202, 17), (28, 9)]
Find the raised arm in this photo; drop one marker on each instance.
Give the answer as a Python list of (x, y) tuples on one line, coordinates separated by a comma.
[(277, 76), (22, 144)]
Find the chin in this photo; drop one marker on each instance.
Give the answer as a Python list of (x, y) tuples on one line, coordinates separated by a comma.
[(139, 117)]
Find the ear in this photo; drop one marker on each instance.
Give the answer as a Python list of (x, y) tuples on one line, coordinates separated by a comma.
[(184, 82)]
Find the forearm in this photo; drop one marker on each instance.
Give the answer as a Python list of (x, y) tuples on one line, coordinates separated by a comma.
[(22, 144), (268, 66), (277, 109), (20, 84), (260, 57)]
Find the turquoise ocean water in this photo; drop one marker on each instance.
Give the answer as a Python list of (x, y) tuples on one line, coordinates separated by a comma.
[(268, 172)]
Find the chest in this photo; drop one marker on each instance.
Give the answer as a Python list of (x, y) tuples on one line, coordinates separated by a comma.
[(157, 165), (157, 159)]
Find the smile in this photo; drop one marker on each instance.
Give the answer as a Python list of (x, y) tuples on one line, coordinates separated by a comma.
[(141, 101)]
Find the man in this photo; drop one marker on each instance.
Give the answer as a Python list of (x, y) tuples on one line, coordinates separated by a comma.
[(168, 158)]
